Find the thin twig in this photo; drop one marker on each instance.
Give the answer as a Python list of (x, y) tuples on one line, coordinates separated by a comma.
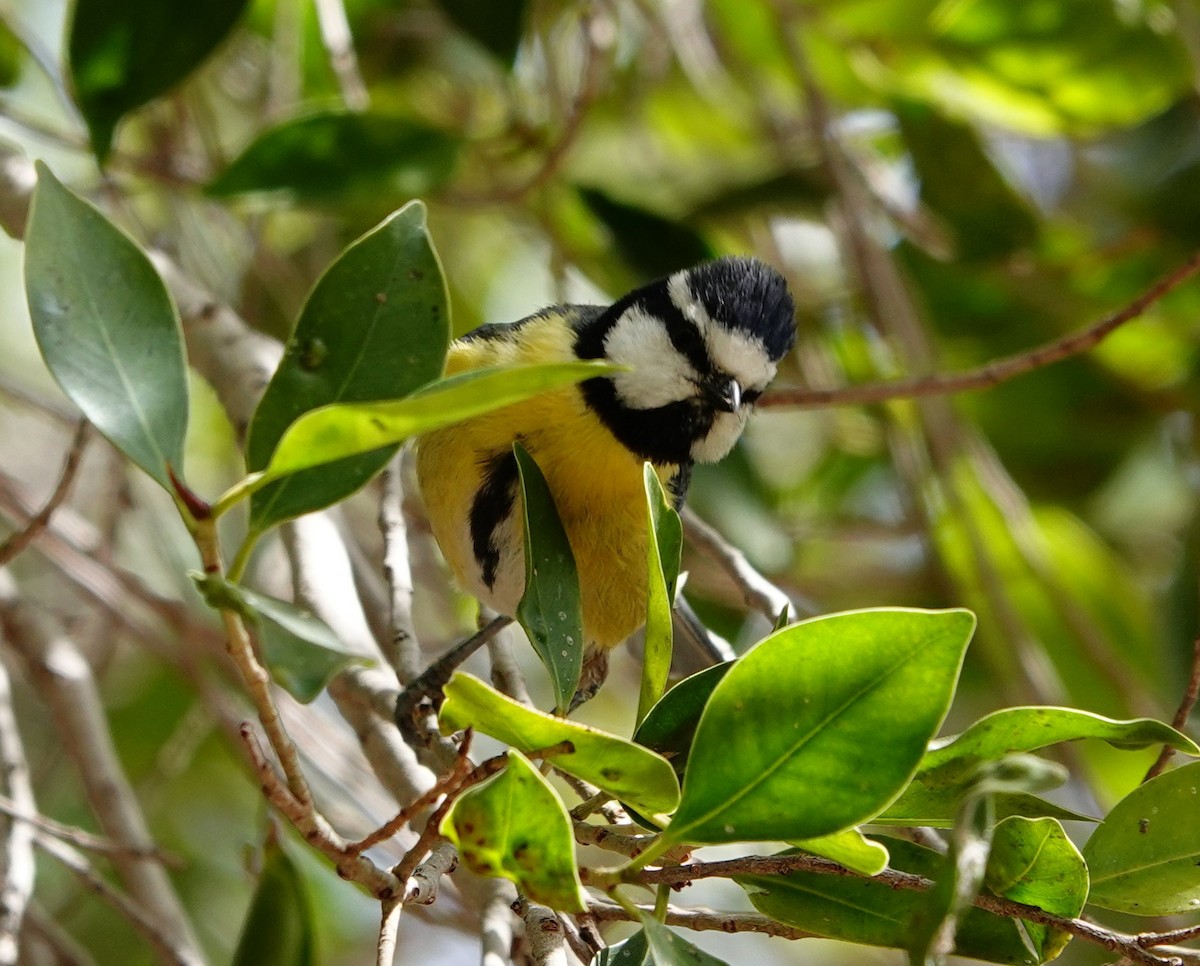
[(727, 922), (993, 373), (40, 520), (81, 838), (339, 45), (758, 593), (389, 931), (402, 648), (1182, 713), (17, 864)]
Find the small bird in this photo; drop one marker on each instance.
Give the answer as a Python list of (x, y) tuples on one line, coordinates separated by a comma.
[(699, 347)]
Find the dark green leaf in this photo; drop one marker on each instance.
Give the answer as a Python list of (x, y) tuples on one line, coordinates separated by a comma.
[(668, 948), (10, 56), (820, 725), (628, 771), (663, 550), (550, 609), (343, 430), (279, 928), (375, 326), (863, 910), (300, 651), (671, 724), (936, 807), (496, 24), (961, 185), (634, 951), (652, 245), (124, 53), (340, 158), (515, 826), (1145, 856), (107, 328)]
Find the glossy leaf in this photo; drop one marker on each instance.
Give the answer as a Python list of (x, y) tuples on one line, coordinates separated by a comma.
[(550, 610), (628, 771), (124, 53), (1145, 856), (634, 951), (1034, 862), (343, 430), (515, 826), (279, 929), (300, 650), (496, 24), (663, 549), (342, 158), (671, 724), (106, 327), (668, 948), (820, 725), (868, 911), (849, 848), (375, 326)]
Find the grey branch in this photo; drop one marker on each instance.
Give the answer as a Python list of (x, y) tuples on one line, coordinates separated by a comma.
[(16, 850)]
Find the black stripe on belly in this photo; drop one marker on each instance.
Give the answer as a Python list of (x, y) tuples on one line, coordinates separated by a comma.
[(491, 507)]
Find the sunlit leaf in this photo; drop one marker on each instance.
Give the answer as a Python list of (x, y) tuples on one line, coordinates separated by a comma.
[(663, 550), (375, 326), (106, 327), (279, 929), (300, 651), (342, 158), (628, 771), (514, 825), (849, 848), (550, 609), (819, 726), (668, 948), (124, 53), (1144, 858)]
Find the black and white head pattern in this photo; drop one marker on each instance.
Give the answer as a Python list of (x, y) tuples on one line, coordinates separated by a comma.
[(700, 347)]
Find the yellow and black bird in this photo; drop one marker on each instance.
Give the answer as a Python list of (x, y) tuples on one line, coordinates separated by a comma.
[(698, 347)]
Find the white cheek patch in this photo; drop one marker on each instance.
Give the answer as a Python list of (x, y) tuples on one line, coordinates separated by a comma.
[(739, 355), (719, 440), (658, 374), (685, 300)]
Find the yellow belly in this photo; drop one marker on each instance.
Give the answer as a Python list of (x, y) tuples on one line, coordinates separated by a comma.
[(595, 481)]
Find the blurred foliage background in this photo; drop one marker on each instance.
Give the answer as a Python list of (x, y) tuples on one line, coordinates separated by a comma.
[(944, 182)]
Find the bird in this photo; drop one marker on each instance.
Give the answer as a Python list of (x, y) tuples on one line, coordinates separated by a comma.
[(696, 350)]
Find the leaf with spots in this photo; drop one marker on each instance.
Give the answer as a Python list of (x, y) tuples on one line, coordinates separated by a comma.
[(627, 771), (375, 326), (515, 826), (107, 328)]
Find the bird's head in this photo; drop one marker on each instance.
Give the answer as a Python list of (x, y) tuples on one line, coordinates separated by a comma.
[(700, 346)]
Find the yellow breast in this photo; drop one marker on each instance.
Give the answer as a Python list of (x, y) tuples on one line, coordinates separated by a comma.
[(595, 481)]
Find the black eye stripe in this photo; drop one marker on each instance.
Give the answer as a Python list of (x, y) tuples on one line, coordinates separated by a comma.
[(684, 336)]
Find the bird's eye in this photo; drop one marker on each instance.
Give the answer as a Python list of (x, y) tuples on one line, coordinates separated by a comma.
[(750, 396)]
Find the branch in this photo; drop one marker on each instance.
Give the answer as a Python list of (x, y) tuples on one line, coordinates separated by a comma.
[(402, 649), (1182, 713), (17, 864), (547, 946), (727, 922), (758, 593), (993, 373), (40, 520), (339, 45)]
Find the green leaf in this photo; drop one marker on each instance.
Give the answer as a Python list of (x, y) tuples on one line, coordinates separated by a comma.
[(820, 725), (496, 24), (670, 726), (344, 159), (106, 327), (634, 951), (937, 806), (280, 927), (515, 826), (1032, 861), (650, 244), (960, 184), (10, 56), (668, 948), (1144, 858), (300, 651), (1012, 730), (550, 609), (849, 848), (342, 430), (663, 551), (375, 326), (628, 771), (869, 911), (124, 53)]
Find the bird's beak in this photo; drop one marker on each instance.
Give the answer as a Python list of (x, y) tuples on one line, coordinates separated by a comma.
[(726, 394)]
